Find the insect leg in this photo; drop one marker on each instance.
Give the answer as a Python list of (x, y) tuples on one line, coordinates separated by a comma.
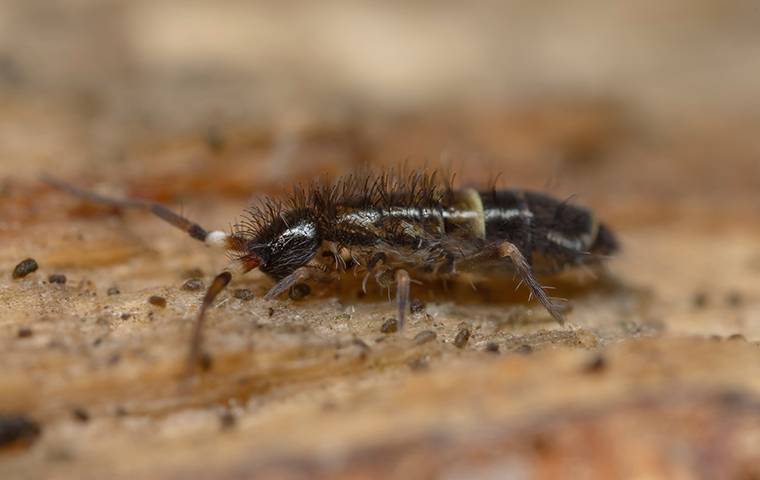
[(283, 285), (510, 250), (402, 295), (214, 238), (307, 272), (196, 357)]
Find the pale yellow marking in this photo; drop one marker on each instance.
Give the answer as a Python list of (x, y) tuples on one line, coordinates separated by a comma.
[(469, 199)]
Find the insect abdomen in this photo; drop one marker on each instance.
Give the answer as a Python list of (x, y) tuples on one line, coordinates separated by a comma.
[(538, 223)]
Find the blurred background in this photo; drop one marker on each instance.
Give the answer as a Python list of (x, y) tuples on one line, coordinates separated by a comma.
[(525, 87), (647, 111)]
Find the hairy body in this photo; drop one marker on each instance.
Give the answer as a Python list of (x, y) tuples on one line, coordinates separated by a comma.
[(395, 229)]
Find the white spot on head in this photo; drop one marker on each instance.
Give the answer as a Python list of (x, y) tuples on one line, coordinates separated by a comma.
[(217, 238), (305, 229)]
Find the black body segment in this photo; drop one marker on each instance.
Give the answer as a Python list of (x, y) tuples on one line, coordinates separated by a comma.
[(396, 230), (422, 225)]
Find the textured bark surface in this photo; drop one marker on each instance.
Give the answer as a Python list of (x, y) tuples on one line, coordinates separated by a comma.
[(655, 375)]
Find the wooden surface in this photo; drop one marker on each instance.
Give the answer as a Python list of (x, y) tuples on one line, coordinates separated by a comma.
[(655, 375)]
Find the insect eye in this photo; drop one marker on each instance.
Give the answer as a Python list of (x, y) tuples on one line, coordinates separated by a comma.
[(292, 248)]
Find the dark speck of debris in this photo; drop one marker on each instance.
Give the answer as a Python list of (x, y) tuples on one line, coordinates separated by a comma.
[(80, 414), (542, 444), (596, 365), (17, 428), (57, 278), (25, 268), (699, 300), (214, 140), (737, 337), (389, 326), (418, 364), (24, 332), (463, 336), (424, 336), (125, 316), (113, 291), (733, 398), (157, 301), (492, 347), (734, 299), (227, 420), (192, 284), (270, 312), (243, 294), (524, 349), (417, 306), (205, 362), (299, 291), (193, 273)]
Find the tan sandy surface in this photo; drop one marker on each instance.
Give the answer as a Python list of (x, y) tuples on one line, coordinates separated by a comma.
[(655, 375)]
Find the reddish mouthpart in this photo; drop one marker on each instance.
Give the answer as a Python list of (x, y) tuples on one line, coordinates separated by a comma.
[(250, 261)]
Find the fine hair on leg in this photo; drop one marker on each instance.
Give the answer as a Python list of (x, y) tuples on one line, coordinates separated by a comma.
[(510, 250)]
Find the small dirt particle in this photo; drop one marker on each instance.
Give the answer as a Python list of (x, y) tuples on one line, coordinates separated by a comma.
[(17, 428), (424, 336), (699, 300), (463, 336), (737, 337), (417, 306), (157, 301), (524, 349), (215, 141), (25, 332), (587, 339), (243, 294), (734, 299), (418, 364), (227, 420), (270, 312), (57, 278), (596, 365), (25, 267), (193, 273), (389, 326), (80, 414), (193, 284), (205, 361), (113, 291), (299, 291), (492, 347)]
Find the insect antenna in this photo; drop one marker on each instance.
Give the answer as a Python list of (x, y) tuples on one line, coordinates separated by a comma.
[(214, 238)]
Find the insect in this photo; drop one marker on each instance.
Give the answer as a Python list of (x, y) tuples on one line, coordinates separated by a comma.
[(393, 229)]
